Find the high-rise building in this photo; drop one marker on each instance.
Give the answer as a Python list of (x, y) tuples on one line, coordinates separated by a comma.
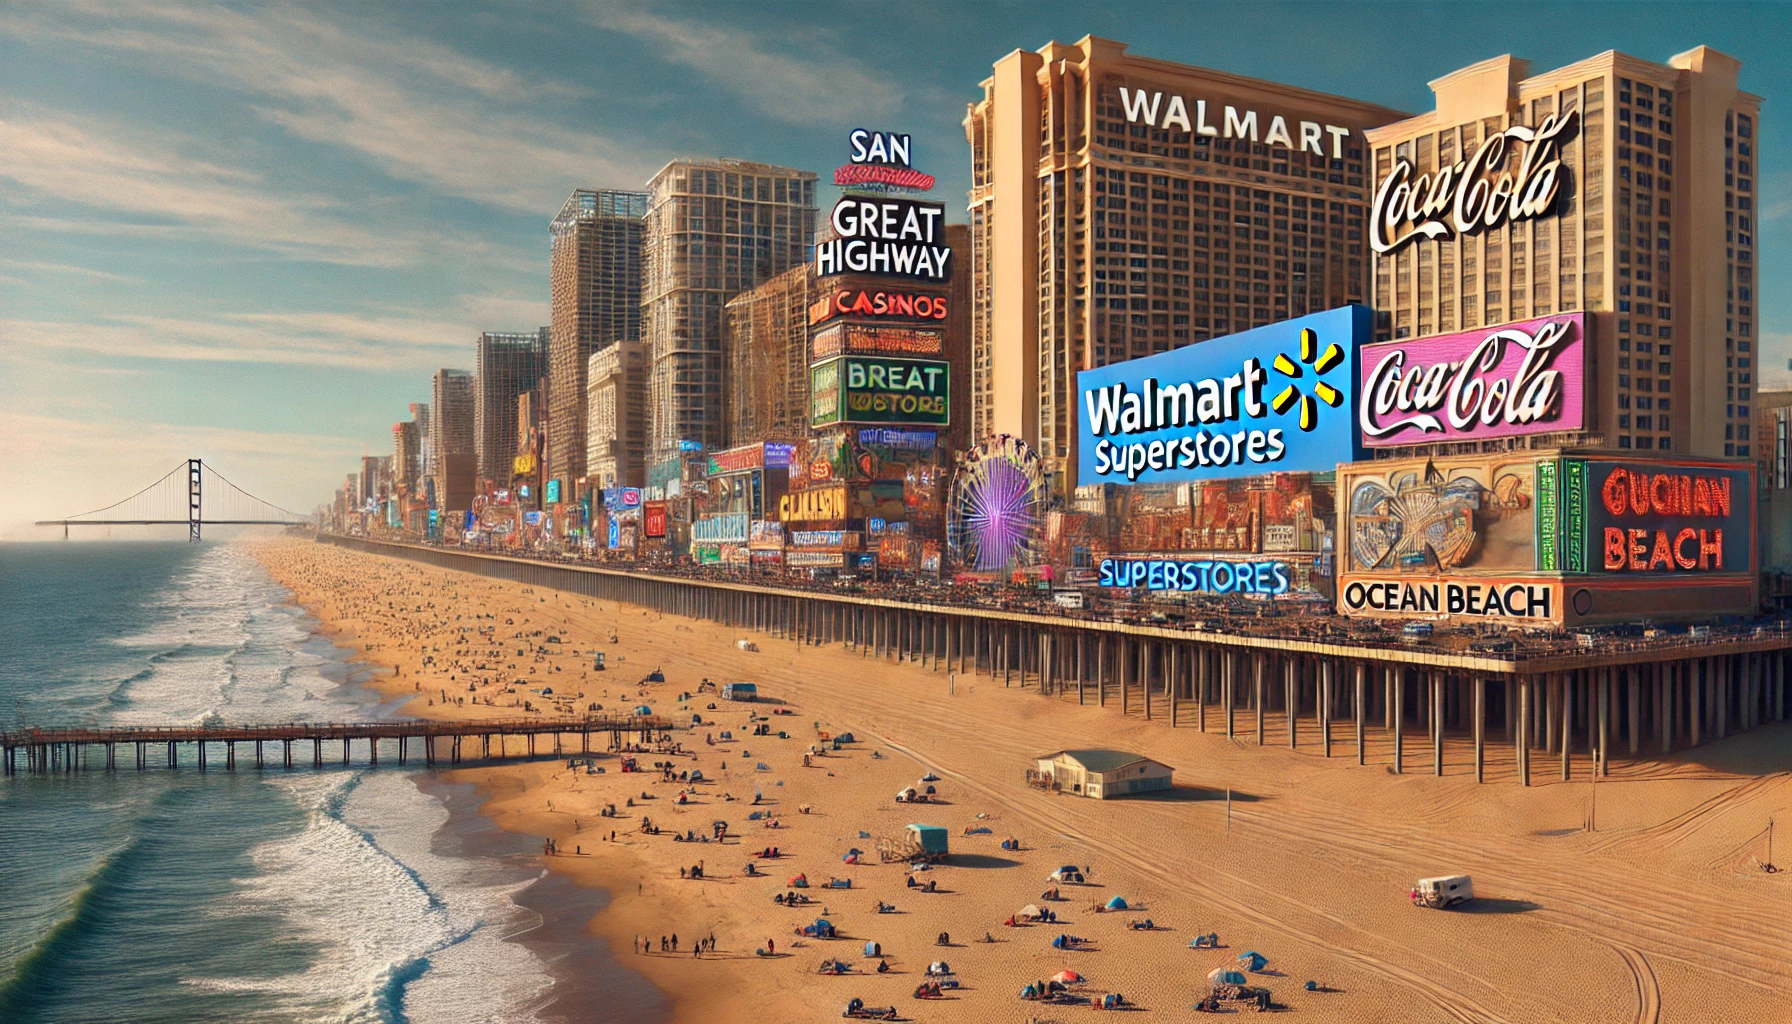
[(616, 423), (1123, 206), (766, 340), (1649, 224), (450, 425), (595, 290), (715, 228), (505, 366)]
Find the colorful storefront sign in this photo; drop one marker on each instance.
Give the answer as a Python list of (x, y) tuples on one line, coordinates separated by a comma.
[(1522, 378), (867, 338), (653, 519), (1533, 601), (1205, 576), (1654, 518), (879, 304), (818, 504), (1274, 398), (727, 528), (888, 390), (765, 535)]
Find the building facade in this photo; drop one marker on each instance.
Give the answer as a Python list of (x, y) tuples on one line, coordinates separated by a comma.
[(505, 366), (1123, 206), (595, 277), (766, 341), (714, 229), (1616, 186), (450, 427), (616, 420)]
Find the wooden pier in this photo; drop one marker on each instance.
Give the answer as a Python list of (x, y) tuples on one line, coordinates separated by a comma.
[(70, 748)]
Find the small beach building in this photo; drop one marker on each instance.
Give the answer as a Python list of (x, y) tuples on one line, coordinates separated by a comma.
[(1104, 774)]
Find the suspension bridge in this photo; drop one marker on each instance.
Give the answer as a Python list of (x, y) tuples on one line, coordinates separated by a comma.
[(191, 494)]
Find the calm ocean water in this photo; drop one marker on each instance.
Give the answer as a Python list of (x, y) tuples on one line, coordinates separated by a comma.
[(272, 896)]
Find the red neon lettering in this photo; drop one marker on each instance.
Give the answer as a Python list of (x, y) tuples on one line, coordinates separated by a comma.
[(1662, 554), (1711, 549), (1614, 548), (1615, 494), (1685, 561), (1637, 550)]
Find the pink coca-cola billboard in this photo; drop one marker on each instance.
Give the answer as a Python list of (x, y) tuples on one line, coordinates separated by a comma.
[(1519, 378)]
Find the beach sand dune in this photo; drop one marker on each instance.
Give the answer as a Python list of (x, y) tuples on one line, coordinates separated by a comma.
[(1661, 913)]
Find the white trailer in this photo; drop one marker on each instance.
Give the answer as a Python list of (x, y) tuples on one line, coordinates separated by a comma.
[(1443, 891)]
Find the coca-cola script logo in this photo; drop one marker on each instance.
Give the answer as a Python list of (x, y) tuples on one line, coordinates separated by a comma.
[(1463, 198), (1523, 378)]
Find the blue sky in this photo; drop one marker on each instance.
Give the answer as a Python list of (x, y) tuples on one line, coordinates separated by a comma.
[(251, 231)]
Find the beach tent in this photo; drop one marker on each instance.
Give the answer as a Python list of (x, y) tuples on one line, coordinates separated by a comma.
[(1030, 992), (939, 968), (1117, 903), (1031, 910), (1061, 942), (642, 709), (1253, 960), (1222, 976), (873, 949), (906, 794), (1067, 978), (845, 737)]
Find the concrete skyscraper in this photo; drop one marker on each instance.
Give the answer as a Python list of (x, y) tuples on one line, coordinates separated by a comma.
[(506, 365), (451, 438), (1653, 233), (715, 228), (595, 289), (1123, 206)]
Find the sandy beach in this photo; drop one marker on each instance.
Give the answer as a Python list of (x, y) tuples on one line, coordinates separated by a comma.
[(1659, 911)]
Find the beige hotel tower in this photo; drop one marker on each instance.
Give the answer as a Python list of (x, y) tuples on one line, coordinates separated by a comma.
[(1653, 231), (1122, 206)]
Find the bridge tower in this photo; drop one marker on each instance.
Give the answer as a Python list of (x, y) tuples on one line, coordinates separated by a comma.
[(193, 466)]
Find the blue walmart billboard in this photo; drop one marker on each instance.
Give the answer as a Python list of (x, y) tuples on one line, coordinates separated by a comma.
[(1275, 399)]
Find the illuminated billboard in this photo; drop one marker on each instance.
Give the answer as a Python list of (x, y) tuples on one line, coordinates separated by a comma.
[(1656, 519), (1522, 378), (866, 338), (878, 304), (886, 238), (880, 390), (1280, 398), (1205, 576)]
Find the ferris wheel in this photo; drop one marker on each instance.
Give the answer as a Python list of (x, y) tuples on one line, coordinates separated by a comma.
[(998, 502)]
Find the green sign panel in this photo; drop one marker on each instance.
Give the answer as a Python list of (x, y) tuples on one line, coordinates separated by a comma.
[(1549, 528), (1574, 514), (880, 390)]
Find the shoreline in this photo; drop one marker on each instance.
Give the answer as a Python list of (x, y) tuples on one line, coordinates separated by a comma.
[(1308, 861), (582, 962)]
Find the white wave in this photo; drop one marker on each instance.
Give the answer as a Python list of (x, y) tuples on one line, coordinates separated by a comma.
[(226, 644), (361, 883)]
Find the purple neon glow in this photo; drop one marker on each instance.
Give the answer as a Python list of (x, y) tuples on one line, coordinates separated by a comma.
[(998, 516)]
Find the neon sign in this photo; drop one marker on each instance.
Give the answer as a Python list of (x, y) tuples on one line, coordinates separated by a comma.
[(887, 237), (880, 305), (1658, 518), (1203, 577)]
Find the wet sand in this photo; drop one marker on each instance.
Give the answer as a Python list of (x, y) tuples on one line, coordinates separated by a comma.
[(1659, 914)]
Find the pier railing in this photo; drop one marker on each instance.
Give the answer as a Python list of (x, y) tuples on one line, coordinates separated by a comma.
[(65, 747)]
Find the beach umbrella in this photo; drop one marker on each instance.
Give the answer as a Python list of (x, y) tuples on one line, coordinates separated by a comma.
[(1222, 976), (1067, 978), (1253, 960), (1030, 910), (1117, 903)]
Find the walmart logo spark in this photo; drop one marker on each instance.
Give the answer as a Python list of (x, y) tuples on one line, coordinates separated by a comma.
[(1321, 363)]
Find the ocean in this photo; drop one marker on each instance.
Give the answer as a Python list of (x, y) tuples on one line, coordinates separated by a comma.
[(311, 895)]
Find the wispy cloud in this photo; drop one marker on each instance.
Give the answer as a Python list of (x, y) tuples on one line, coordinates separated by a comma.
[(800, 80), (112, 167), (419, 110), (46, 267), (393, 338)]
